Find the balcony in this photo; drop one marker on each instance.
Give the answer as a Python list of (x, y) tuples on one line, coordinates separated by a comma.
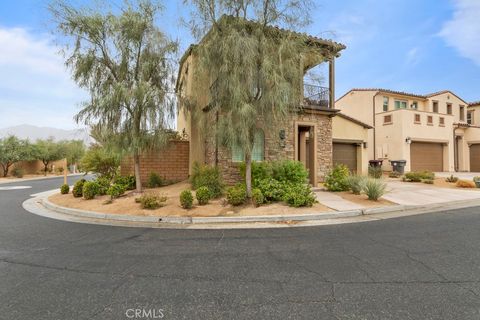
[(316, 96)]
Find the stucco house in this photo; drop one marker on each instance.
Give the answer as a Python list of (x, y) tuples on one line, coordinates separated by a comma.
[(307, 135), (437, 132)]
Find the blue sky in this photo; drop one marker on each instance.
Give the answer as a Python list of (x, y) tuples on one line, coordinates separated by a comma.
[(418, 46)]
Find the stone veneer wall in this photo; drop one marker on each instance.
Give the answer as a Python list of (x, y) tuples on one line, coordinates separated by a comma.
[(170, 163), (273, 150)]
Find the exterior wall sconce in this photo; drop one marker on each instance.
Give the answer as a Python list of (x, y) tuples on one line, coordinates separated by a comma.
[(364, 145), (408, 140), (282, 137)]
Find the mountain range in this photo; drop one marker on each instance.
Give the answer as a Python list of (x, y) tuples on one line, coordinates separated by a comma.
[(26, 131)]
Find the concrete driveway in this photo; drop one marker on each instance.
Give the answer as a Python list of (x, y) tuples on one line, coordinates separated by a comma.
[(405, 193)]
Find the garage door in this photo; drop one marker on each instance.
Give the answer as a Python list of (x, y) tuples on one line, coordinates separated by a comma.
[(426, 156), (475, 158), (344, 153)]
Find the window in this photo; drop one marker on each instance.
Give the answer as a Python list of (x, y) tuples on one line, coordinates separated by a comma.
[(258, 151), (400, 104), (462, 113), (470, 117), (417, 118), (414, 105), (387, 119), (449, 108), (435, 106), (385, 103), (430, 120), (441, 121)]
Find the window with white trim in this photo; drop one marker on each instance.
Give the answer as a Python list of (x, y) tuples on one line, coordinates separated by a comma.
[(400, 104), (258, 151)]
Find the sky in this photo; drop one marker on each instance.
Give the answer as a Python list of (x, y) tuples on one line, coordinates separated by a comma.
[(418, 46)]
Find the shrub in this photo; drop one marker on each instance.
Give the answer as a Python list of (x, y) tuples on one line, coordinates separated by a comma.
[(116, 190), (356, 183), (90, 190), (465, 184), (103, 185), (207, 176), (154, 180), (299, 195), (65, 189), (77, 190), (151, 201), (427, 181), (271, 189), (375, 172), (260, 171), (128, 181), (289, 171), (475, 179), (99, 160), (237, 195), (418, 176), (186, 199), (257, 197), (374, 188), (17, 172), (394, 174), (203, 195), (452, 179), (336, 179)]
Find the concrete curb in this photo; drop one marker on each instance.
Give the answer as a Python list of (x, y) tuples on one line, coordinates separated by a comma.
[(39, 178)]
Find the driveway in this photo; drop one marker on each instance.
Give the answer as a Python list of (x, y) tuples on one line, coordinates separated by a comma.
[(406, 193)]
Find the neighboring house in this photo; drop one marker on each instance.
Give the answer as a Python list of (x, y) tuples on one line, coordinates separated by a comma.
[(434, 132), (307, 135)]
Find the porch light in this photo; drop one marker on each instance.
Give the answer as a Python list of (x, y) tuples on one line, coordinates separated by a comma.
[(408, 140)]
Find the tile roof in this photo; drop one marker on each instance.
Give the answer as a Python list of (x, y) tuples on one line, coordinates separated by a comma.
[(475, 103)]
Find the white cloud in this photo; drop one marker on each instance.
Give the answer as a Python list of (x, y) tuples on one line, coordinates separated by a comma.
[(463, 31), (412, 56), (35, 87)]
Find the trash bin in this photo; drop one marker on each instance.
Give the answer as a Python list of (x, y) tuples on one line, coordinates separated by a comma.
[(398, 165), (375, 163)]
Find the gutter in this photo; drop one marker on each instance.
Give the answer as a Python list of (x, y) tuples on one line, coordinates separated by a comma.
[(374, 128)]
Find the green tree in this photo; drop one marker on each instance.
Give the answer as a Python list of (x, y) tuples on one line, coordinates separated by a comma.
[(255, 69), (13, 150), (75, 149), (124, 61), (99, 160), (48, 151)]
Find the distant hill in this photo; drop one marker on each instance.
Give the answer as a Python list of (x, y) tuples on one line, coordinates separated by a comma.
[(26, 131)]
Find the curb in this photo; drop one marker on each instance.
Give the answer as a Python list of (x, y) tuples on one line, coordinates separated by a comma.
[(40, 178)]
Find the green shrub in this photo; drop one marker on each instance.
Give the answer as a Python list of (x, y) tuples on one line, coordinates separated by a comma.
[(207, 176), (475, 179), (257, 197), (453, 179), (356, 183), (237, 195), (116, 190), (299, 195), (394, 174), (427, 181), (65, 189), (151, 201), (336, 179), (154, 180), (90, 190), (374, 188), (128, 181), (77, 190), (186, 199), (18, 172), (418, 176), (103, 185), (98, 160), (271, 189), (260, 171), (375, 172), (289, 171), (203, 195)]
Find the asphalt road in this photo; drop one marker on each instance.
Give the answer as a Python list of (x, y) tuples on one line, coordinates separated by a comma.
[(418, 267)]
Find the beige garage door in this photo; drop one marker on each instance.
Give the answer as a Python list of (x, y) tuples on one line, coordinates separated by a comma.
[(426, 156), (475, 158), (344, 153)]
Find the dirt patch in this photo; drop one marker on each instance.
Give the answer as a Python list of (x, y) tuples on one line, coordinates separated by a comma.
[(217, 207), (363, 200)]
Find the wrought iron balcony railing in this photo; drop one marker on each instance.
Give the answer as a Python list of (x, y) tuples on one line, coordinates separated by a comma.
[(316, 95)]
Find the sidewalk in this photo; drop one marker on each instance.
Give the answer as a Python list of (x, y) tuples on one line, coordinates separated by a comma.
[(336, 202)]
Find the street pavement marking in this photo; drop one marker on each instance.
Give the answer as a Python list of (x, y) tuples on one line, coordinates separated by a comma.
[(15, 188)]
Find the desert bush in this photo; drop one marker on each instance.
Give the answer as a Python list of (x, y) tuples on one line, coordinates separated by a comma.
[(257, 197), (237, 195), (64, 189), (100, 161), (299, 195), (18, 172), (260, 171), (418, 176), (271, 189), (207, 176), (374, 188), (451, 179), (427, 181), (116, 190), (151, 201), (465, 184), (203, 195), (394, 174), (336, 179), (90, 190), (186, 199), (128, 181), (356, 183), (289, 171), (77, 190), (103, 185), (375, 172), (154, 180)]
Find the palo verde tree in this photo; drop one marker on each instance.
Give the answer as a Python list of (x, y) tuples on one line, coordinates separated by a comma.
[(254, 68), (48, 151), (13, 149), (123, 60)]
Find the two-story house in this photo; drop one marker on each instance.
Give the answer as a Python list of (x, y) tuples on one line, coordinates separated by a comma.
[(433, 132), (306, 136)]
